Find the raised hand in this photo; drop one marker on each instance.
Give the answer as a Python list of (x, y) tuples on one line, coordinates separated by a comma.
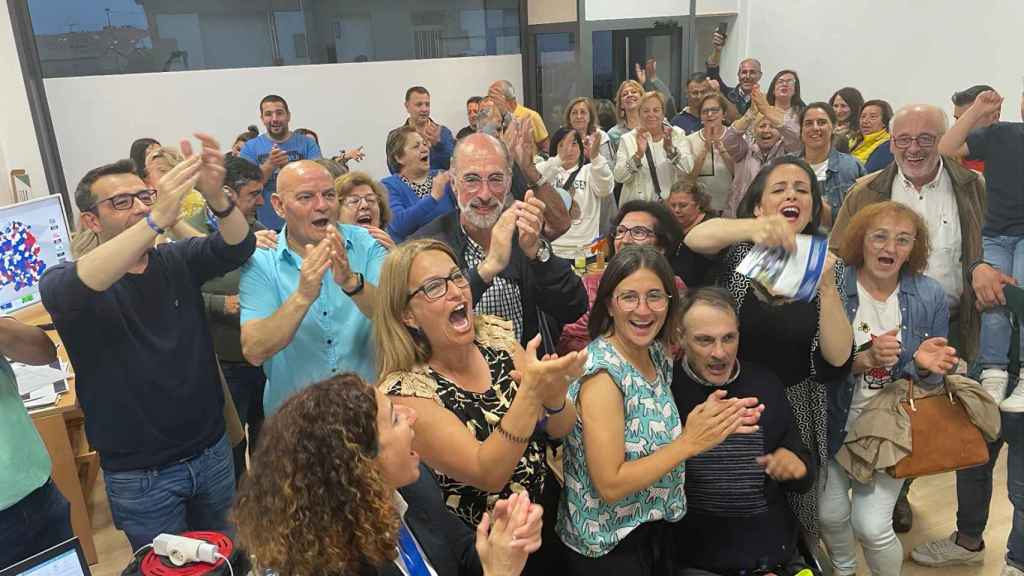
[(641, 143), (339, 258), (500, 552), (437, 188), (717, 41), (550, 376), (211, 172), (935, 355), (774, 230), (172, 188), (356, 154), (500, 250), (311, 272), (592, 146), (278, 158), (526, 146), (666, 141), (641, 74), (712, 421), (432, 133), (529, 222), (783, 465), (714, 85), (759, 99), (988, 104), (381, 236)]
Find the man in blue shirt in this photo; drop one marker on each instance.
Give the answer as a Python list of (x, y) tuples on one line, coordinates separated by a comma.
[(275, 148), (440, 139), (697, 87), (748, 75), (300, 322)]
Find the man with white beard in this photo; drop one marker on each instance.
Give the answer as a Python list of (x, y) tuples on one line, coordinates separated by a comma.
[(498, 241)]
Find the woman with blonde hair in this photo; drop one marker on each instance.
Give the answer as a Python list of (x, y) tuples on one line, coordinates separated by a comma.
[(485, 406), (900, 322), (627, 105), (336, 489), (364, 202), (652, 156)]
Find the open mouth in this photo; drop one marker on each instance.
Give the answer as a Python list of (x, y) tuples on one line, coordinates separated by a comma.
[(425, 157), (364, 219), (321, 222), (717, 368), (886, 261), (791, 213), (459, 318), (642, 325)]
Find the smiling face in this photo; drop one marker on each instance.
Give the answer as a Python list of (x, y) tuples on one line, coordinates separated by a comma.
[(787, 192), (871, 120), (695, 91), (306, 199), (640, 326), (579, 117), (887, 245), (632, 220), (766, 135), (629, 97), (816, 131), (652, 116), (482, 181), (415, 155), (711, 112), (749, 74), (361, 207), (569, 150), (472, 109), (785, 86), (919, 164), (248, 198), (104, 220), (418, 107), (398, 463), (275, 118), (842, 109), (711, 338), (448, 320)]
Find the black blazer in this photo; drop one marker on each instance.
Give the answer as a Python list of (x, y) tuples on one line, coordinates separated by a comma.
[(449, 544)]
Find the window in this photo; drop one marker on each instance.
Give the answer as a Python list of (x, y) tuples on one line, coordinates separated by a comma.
[(90, 37)]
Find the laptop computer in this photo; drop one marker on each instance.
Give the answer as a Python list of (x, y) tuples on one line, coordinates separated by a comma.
[(64, 559)]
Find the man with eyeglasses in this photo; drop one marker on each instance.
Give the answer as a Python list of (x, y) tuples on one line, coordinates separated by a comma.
[(498, 242), (132, 319), (243, 184), (307, 303)]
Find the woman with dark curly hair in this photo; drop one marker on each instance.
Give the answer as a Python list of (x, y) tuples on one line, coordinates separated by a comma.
[(337, 489)]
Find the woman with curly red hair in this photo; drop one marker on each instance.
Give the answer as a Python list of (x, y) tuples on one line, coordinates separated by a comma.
[(336, 489)]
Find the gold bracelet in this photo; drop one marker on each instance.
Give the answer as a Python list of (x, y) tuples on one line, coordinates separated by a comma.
[(511, 437)]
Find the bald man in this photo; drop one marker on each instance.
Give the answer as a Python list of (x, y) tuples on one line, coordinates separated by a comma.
[(306, 304), (504, 95)]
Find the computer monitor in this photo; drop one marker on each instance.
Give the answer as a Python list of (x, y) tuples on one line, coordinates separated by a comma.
[(33, 238), (64, 559)]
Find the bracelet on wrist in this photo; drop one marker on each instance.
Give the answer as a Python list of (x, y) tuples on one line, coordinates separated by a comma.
[(550, 412), (512, 437), (152, 224), (225, 212)]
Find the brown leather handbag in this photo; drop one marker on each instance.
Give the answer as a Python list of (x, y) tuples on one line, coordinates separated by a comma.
[(942, 434)]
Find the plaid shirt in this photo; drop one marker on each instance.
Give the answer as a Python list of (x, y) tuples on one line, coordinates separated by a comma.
[(503, 298)]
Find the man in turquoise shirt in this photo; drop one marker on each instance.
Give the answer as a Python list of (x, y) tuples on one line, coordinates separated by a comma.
[(306, 304), (33, 514)]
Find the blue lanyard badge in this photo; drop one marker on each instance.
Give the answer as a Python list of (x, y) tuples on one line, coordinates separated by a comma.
[(410, 554)]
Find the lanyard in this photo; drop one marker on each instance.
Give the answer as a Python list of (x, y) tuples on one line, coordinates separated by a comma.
[(410, 554)]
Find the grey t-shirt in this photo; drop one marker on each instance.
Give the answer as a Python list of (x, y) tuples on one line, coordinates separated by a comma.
[(1001, 146)]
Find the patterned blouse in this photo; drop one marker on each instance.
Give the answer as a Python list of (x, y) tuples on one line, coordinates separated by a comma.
[(585, 522), (421, 190), (481, 413)]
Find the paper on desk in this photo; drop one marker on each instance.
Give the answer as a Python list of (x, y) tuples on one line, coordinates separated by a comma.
[(33, 378), (42, 397)]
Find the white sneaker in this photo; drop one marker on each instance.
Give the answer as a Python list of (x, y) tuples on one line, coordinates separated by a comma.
[(993, 381), (946, 552), (1012, 571), (1014, 403)]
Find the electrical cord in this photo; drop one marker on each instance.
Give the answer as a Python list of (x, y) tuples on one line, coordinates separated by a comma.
[(226, 561)]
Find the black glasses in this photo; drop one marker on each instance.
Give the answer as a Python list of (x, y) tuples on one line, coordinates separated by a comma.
[(127, 200), (437, 288), (638, 233), (923, 140)]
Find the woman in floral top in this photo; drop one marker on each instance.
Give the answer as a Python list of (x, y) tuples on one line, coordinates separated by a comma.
[(480, 428), (624, 458)]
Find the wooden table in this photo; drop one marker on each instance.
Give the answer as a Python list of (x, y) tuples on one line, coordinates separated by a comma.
[(62, 428)]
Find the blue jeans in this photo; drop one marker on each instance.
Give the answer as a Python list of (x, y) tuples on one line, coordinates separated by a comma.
[(1007, 254), (36, 522), (193, 494), (246, 383), (974, 490)]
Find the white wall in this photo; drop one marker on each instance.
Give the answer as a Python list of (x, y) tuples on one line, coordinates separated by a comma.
[(96, 118), (903, 52), (19, 148), (618, 9)]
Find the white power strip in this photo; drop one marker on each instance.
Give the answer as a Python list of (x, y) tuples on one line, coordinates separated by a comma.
[(180, 550)]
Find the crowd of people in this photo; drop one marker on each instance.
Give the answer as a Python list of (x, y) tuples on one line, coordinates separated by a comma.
[(533, 352)]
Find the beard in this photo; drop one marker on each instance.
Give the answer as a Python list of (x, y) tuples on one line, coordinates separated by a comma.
[(485, 220)]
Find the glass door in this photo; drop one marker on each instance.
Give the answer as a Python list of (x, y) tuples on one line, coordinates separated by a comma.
[(552, 69), (658, 49)]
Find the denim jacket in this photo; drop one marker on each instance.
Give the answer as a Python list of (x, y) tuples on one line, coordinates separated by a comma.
[(924, 314), (842, 171)]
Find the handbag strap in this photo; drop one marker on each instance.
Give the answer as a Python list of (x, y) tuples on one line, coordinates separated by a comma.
[(654, 173), (910, 392)]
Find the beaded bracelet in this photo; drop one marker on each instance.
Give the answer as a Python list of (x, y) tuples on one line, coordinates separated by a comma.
[(511, 437)]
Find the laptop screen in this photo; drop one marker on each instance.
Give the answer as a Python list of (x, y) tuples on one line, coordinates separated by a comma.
[(65, 559)]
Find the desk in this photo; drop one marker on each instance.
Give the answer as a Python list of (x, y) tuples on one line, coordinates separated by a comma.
[(62, 428)]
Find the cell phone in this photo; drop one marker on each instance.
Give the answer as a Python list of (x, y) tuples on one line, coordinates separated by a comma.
[(722, 29)]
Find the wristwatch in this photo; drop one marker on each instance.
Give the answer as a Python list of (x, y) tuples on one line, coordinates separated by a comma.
[(359, 287), (227, 211), (544, 252)]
